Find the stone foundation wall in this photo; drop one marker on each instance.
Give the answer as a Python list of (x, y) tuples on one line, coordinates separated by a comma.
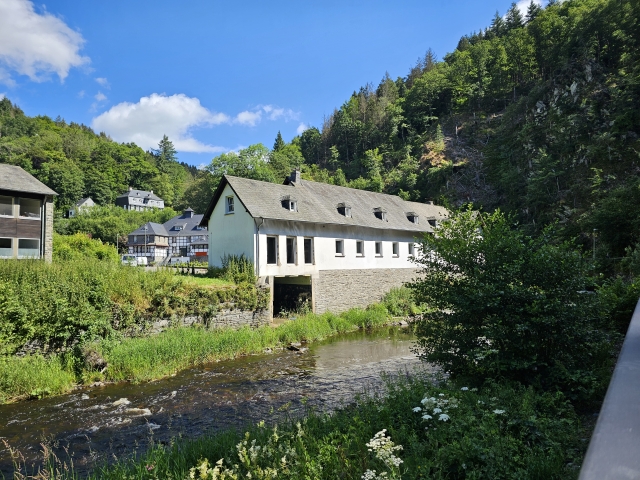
[(230, 318), (339, 290)]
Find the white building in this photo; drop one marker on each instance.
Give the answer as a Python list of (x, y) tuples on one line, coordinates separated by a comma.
[(80, 206), (139, 200), (340, 246)]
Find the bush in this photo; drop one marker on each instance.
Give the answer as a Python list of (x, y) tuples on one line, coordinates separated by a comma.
[(400, 302), (81, 245), (235, 269), (508, 305)]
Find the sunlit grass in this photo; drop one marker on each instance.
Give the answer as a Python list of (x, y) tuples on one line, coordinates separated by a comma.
[(33, 376)]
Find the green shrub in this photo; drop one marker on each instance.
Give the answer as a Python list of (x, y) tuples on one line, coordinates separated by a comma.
[(235, 268), (400, 302), (33, 376), (511, 306), (81, 245)]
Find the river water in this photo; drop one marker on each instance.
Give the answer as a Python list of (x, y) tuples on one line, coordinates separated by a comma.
[(97, 424)]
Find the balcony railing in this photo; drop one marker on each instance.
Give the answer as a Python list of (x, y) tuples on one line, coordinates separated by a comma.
[(614, 450)]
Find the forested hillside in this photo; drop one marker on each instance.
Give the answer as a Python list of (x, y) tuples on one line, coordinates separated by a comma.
[(77, 163), (537, 114)]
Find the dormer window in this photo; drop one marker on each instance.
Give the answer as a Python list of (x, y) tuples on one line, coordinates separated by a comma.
[(433, 222), (344, 209), (413, 217), (289, 203), (229, 205), (380, 213)]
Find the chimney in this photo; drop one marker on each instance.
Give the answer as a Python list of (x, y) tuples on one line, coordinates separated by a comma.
[(296, 177), (187, 213), (151, 192), (429, 202), (130, 188)]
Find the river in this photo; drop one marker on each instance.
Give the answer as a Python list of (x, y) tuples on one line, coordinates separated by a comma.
[(97, 424)]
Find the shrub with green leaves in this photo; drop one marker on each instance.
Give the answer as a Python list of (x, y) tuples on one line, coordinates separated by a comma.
[(509, 305)]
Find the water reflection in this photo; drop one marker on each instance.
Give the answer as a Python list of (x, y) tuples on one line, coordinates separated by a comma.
[(116, 420)]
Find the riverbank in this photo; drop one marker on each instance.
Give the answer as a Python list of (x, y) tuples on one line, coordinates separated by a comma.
[(153, 357), (415, 429)]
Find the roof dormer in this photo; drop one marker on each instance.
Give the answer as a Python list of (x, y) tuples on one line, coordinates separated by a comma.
[(413, 217), (380, 213), (289, 203), (344, 209)]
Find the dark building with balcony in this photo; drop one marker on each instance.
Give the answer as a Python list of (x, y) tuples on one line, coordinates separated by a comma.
[(26, 215)]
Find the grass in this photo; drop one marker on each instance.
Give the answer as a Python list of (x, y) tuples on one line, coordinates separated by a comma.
[(207, 281), (500, 431), (34, 376)]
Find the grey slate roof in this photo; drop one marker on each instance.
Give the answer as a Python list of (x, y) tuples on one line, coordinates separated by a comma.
[(189, 225), (152, 229), (140, 193), (318, 203), (80, 202), (17, 180)]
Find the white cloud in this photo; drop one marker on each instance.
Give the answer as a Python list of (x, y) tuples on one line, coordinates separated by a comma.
[(103, 82), (36, 45), (152, 117), (301, 128), (250, 119), (81, 94), (101, 97)]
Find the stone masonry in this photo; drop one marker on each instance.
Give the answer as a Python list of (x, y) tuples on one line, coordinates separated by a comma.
[(230, 318), (339, 290), (48, 228)]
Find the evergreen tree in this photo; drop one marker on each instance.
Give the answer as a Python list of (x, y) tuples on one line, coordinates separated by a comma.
[(533, 11), (165, 154), (514, 17), (498, 26), (279, 143)]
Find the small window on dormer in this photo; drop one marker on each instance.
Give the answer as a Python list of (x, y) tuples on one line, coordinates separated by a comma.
[(344, 209), (380, 213), (289, 203), (413, 217), (433, 222)]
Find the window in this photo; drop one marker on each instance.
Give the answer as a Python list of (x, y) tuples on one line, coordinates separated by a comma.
[(344, 209), (395, 249), (135, 239), (272, 250), (308, 250), (6, 247), (291, 250), (378, 249), (289, 203), (411, 248), (293, 206), (359, 248), (339, 248), (229, 205), (29, 208), (433, 222), (6, 206), (28, 247), (380, 213), (413, 217)]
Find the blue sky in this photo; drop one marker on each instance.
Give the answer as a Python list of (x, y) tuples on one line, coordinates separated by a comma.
[(215, 76)]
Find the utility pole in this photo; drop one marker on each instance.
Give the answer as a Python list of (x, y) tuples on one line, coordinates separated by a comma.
[(146, 247)]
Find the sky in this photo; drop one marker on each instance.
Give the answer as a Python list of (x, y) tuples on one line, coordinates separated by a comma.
[(216, 76)]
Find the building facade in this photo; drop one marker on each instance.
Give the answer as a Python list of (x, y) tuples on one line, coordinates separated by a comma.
[(80, 206), (139, 200), (335, 246), (182, 236), (26, 215)]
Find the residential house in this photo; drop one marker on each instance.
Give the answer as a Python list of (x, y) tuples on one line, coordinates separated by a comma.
[(181, 236), (150, 240), (339, 247), (26, 215), (80, 206), (139, 200)]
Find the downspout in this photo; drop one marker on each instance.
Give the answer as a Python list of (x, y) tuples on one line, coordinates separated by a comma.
[(258, 245)]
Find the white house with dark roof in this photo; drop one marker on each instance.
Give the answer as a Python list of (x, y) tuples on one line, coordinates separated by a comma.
[(81, 205), (139, 200), (341, 246)]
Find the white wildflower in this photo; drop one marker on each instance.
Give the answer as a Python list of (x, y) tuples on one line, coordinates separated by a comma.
[(444, 417), (497, 411), (384, 449), (426, 417), (437, 410), (464, 389), (441, 394), (417, 409)]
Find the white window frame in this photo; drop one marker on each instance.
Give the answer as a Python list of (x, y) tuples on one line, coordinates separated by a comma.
[(229, 205), (361, 244), (412, 248), (38, 218), (379, 249), (11, 239), (13, 202), (30, 239), (339, 248), (293, 206), (395, 249), (275, 241), (304, 251), (294, 245)]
